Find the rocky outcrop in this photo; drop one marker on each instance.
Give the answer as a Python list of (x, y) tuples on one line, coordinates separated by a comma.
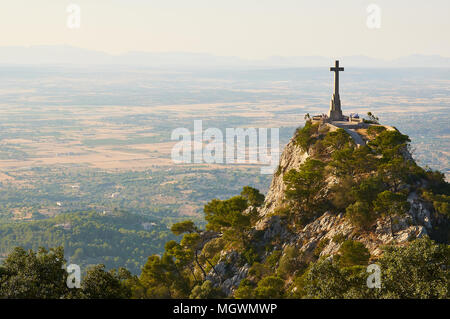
[(330, 229), (292, 157), (228, 274)]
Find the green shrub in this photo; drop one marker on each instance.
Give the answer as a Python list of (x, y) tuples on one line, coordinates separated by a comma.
[(341, 195), (206, 291), (353, 253), (253, 196), (352, 162), (360, 215), (339, 238), (303, 187), (338, 139), (320, 246), (304, 136), (367, 190), (437, 182), (290, 262), (389, 144), (259, 271), (273, 259), (323, 279), (374, 130), (441, 203), (245, 290), (282, 211), (271, 287), (250, 256), (419, 270)]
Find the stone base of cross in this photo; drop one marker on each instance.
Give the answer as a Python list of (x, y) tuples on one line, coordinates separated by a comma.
[(335, 112)]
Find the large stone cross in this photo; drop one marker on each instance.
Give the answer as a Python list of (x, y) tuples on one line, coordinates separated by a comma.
[(336, 70), (335, 113)]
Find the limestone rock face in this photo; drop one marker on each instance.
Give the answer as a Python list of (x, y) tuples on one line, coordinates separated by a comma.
[(292, 157), (417, 223), (329, 225), (228, 274)]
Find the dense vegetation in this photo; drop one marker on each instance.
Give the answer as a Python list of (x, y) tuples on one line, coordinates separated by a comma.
[(42, 274), (117, 239), (371, 181), (419, 270)]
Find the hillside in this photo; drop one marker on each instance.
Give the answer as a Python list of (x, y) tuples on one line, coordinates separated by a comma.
[(333, 208), (117, 239)]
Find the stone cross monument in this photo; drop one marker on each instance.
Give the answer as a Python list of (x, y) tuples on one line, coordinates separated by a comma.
[(335, 113)]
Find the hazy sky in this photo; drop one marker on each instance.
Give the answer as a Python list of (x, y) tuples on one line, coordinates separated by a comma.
[(244, 28)]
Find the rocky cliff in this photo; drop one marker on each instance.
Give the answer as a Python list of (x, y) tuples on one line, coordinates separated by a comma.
[(323, 235)]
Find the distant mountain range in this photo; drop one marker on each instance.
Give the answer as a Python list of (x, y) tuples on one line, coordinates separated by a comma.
[(77, 56)]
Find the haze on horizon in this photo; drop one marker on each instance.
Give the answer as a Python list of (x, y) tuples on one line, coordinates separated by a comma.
[(248, 29)]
